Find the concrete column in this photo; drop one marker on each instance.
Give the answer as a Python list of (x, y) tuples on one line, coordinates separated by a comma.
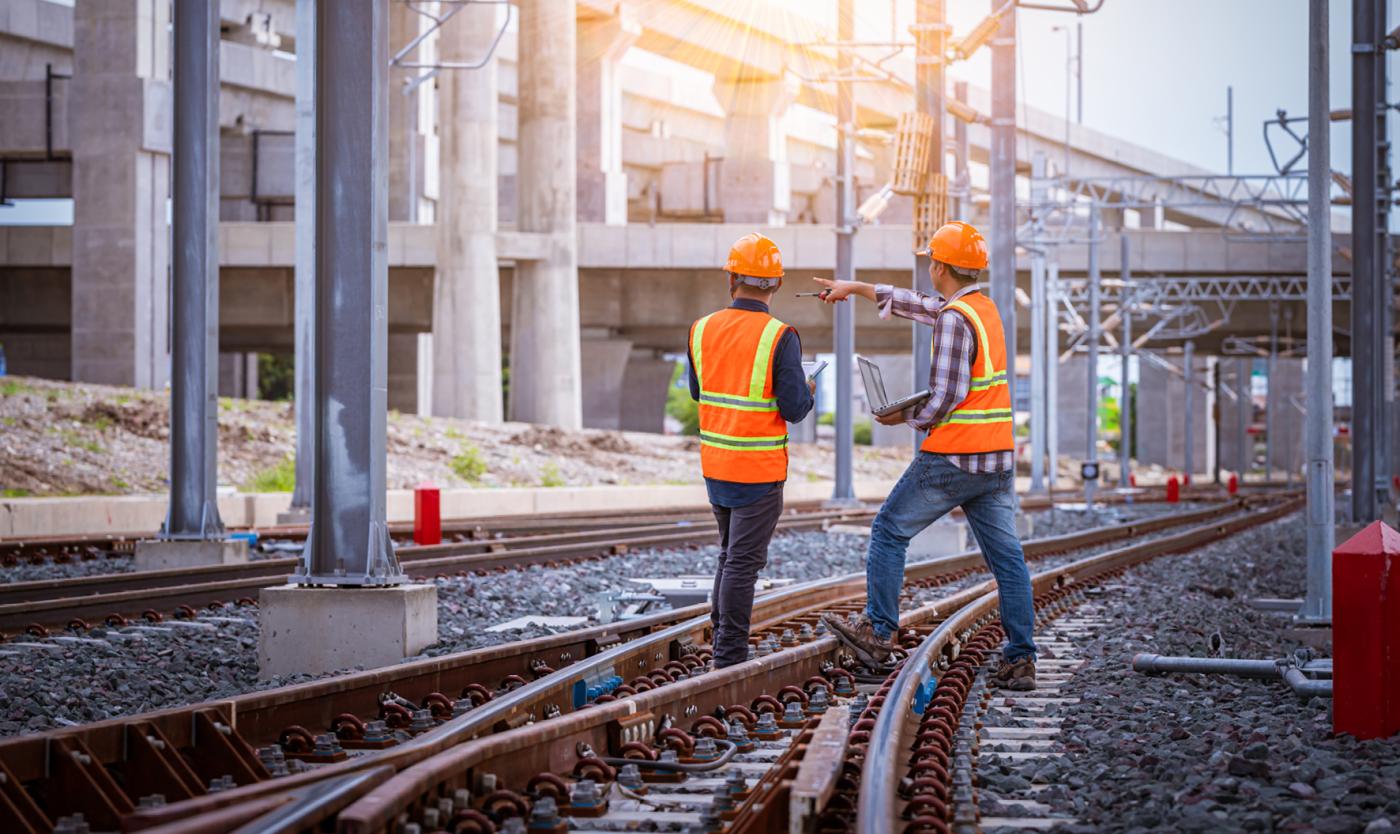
[(754, 176), (466, 290), (1161, 419), (1286, 387), (120, 122), (1235, 414), (544, 341), (403, 374), (1072, 414), (604, 368), (405, 145), (644, 388), (602, 183)]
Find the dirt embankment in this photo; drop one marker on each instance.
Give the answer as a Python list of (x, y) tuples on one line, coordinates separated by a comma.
[(59, 438)]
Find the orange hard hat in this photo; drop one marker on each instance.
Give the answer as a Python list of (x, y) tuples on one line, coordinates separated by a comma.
[(958, 244), (755, 256)]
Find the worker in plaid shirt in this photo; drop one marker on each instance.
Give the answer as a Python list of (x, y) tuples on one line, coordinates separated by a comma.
[(966, 461)]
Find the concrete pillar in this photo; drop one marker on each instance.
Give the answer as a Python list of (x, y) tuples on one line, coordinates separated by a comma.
[(1235, 445), (403, 374), (120, 122), (238, 375), (897, 370), (1071, 414), (754, 177), (544, 342), (405, 142), (466, 291), (644, 389), (604, 363), (1286, 386), (602, 183), (1161, 421)]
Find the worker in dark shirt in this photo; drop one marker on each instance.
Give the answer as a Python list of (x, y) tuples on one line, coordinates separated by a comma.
[(746, 374)]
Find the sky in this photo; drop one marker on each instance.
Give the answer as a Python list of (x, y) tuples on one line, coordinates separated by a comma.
[(1156, 71)]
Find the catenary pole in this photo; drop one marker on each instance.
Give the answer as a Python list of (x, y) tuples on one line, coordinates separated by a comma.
[(1321, 533)]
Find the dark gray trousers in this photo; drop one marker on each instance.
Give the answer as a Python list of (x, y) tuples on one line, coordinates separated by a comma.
[(744, 533)]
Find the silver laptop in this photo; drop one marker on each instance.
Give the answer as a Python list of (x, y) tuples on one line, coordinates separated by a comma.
[(880, 404)]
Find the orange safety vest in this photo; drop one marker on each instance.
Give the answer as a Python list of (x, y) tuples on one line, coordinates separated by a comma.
[(982, 422), (743, 438)]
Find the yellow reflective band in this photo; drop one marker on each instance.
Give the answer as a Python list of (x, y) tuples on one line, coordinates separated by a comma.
[(743, 444), (984, 345), (738, 403), (696, 339), (978, 417), (763, 358), (983, 383)]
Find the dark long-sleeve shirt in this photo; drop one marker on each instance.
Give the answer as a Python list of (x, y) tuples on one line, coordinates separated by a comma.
[(794, 403), (950, 372)]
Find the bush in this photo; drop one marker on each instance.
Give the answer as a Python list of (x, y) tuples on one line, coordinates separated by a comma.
[(827, 419), (469, 465), (279, 478), (679, 404), (549, 475), (860, 432)]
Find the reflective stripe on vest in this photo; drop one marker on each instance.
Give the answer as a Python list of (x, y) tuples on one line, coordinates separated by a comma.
[(743, 437), (983, 421)]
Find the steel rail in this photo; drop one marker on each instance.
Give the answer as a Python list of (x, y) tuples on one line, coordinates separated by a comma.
[(59, 602), (661, 643), (886, 755)]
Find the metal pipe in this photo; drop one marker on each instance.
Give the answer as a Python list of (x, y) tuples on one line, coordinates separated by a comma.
[(845, 316), (1003, 182), (194, 380), (1383, 345), (1038, 355), (304, 214), (928, 96), (1365, 241), (961, 144), (1091, 371), (1243, 413), (1125, 347), (1321, 532), (349, 541), (1188, 440), (1284, 671)]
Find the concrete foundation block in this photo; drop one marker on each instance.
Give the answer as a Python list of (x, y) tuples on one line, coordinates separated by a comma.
[(295, 515), (319, 630), (941, 538), (159, 554)]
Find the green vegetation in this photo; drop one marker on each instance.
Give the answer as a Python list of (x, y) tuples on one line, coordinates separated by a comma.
[(74, 440), (861, 431), (468, 464), (453, 434), (10, 492), (281, 477), (549, 475), (118, 485), (122, 399), (827, 419), (13, 387), (679, 404), (276, 376), (101, 424), (9, 421)]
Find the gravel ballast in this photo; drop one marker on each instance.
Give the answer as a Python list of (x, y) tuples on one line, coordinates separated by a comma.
[(104, 674), (1201, 753)]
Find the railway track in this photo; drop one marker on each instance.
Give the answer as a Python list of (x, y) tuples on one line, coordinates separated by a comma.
[(78, 603), (529, 702)]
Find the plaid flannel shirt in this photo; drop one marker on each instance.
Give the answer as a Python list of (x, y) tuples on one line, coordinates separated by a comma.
[(950, 373)]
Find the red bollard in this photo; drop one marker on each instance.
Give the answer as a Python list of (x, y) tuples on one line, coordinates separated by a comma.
[(1233, 485), (427, 515), (1132, 479), (1173, 490), (1366, 633)]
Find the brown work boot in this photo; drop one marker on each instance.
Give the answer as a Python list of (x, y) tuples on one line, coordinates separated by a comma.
[(859, 636), (1018, 675)]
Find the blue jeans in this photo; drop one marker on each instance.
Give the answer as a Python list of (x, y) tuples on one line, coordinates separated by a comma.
[(929, 489)]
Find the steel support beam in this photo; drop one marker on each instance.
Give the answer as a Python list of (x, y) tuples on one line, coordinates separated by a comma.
[(1321, 530), (349, 540), (1188, 440), (1383, 343), (1003, 183), (1125, 348), (845, 314), (194, 378), (1038, 355), (931, 26), (1052, 370), (1270, 390), (1244, 414), (304, 213), (1091, 372), (1367, 124)]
